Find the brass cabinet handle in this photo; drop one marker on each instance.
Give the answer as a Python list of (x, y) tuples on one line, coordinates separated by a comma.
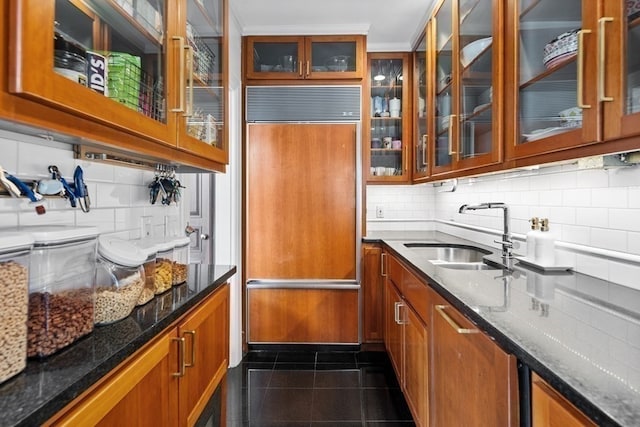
[(424, 149), (180, 372), (189, 111), (308, 68), (580, 96), (300, 68), (396, 312), (180, 108), (451, 120), (440, 309), (602, 43), (383, 262), (193, 349)]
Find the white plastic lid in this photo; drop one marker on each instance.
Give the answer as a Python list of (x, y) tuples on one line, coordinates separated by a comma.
[(51, 234), (181, 241), (12, 240), (148, 245), (163, 244), (121, 252)]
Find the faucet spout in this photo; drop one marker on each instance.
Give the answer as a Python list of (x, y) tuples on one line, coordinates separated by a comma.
[(507, 242)]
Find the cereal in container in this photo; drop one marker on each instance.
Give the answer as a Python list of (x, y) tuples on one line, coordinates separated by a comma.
[(150, 248), (164, 265), (14, 293), (180, 259)]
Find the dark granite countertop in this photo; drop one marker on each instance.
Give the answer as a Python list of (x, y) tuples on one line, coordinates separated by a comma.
[(46, 386), (579, 333)]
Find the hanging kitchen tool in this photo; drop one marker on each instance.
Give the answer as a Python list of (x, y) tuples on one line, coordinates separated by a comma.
[(8, 185), (18, 188), (81, 192), (68, 191)]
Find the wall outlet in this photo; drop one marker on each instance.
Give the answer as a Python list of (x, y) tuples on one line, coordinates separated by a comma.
[(379, 212)]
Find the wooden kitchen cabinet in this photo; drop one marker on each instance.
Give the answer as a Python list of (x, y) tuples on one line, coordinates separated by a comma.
[(550, 408), (406, 341), (420, 122), (164, 71), (372, 293), (166, 383), (387, 108), (473, 382), (305, 57), (465, 104)]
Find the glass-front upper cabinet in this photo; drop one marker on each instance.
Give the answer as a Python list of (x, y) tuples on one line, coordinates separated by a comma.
[(619, 29), (102, 59), (311, 57), (202, 124), (467, 37), (552, 46), (420, 132), (389, 118)]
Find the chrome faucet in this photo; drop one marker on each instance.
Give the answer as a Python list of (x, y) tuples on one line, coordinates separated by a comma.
[(507, 242)]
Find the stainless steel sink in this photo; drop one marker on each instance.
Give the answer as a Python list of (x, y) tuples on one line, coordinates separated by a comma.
[(467, 266), (451, 253)]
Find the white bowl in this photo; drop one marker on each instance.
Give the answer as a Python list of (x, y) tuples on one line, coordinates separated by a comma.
[(473, 49)]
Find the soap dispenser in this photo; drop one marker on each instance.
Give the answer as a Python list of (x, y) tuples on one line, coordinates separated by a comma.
[(545, 242), (532, 237)]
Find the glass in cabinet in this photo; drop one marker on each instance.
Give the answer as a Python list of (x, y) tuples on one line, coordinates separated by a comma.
[(311, 57), (202, 123), (554, 58), (467, 59), (420, 136), (389, 117), (619, 81), (99, 59)]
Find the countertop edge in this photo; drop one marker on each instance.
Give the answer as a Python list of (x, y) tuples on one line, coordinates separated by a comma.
[(62, 399)]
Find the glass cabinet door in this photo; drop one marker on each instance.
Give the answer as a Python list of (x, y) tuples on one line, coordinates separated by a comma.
[(275, 57), (621, 68), (475, 41), (205, 83), (443, 138), (420, 136), (102, 59), (555, 45), (389, 131), (333, 57)]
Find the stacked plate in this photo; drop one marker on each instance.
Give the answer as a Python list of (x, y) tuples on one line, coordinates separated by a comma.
[(561, 48)]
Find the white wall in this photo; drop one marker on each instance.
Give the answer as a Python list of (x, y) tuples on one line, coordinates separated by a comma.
[(595, 214), (119, 195)]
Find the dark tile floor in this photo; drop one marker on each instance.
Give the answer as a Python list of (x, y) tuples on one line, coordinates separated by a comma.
[(340, 389)]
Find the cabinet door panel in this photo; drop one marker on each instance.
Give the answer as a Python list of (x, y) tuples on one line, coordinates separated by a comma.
[(473, 379), (143, 393), (551, 409), (393, 328), (274, 57), (373, 294), (334, 57), (206, 353), (416, 370), (46, 62)]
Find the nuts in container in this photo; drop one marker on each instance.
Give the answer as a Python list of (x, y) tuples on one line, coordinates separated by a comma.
[(180, 259), (61, 287), (14, 289), (120, 279), (149, 247)]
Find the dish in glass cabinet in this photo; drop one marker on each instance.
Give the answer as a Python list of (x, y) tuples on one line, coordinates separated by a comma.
[(560, 48), (633, 9), (544, 133), (473, 49)]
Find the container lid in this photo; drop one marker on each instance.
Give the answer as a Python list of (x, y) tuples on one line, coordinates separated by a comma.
[(121, 252), (181, 241), (52, 234), (148, 245), (11, 240), (163, 244)]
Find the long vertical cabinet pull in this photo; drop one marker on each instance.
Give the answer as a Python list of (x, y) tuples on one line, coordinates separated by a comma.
[(396, 312), (580, 94), (192, 363), (451, 121), (308, 68), (383, 262), (602, 44), (189, 108), (300, 68), (181, 107), (459, 329), (181, 360)]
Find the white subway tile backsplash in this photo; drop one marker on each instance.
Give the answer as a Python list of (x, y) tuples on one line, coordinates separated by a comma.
[(34, 160), (609, 239), (62, 217), (592, 217), (634, 197), (98, 172), (610, 197), (113, 195), (101, 218), (9, 158), (624, 274), (577, 197), (575, 234), (8, 220), (624, 219), (592, 178), (633, 242)]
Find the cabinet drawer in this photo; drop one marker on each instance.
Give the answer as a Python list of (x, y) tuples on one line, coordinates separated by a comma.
[(415, 292), (394, 271)]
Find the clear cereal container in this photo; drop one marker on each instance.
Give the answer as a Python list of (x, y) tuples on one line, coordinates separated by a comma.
[(150, 248), (180, 259), (164, 266), (14, 294), (61, 285), (119, 279)]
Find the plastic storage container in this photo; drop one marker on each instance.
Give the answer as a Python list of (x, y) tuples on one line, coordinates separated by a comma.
[(164, 266), (119, 279), (14, 294), (150, 248), (61, 286), (180, 259)]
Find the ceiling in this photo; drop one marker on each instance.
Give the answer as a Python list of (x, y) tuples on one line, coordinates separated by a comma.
[(389, 25)]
